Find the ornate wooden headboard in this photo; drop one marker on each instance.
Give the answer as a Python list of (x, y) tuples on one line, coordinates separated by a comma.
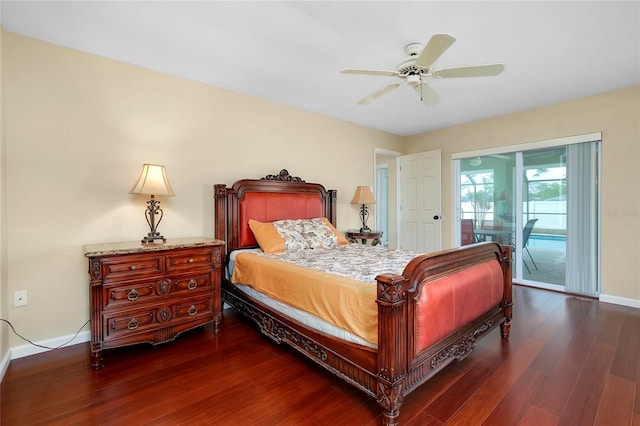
[(271, 198)]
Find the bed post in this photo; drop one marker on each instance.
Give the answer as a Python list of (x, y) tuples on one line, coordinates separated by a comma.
[(220, 198), (333, 207), (507, 301), (392, 345)]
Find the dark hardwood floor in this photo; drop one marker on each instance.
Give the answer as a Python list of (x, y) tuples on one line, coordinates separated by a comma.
[(569, 361)]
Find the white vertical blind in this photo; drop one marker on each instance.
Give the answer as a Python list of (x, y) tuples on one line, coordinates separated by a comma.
[(582, 219)]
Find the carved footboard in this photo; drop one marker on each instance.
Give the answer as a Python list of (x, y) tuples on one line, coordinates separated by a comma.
[(419, 333)]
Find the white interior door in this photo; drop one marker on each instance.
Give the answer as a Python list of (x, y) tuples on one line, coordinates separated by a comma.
[(420, 203)]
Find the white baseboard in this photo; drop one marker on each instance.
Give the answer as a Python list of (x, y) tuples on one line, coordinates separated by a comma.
[(633, 303), (4, 364), (29, 349)]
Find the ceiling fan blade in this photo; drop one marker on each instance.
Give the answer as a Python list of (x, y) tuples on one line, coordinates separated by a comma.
[(427, 94), (369, 72), (472, 71), (438, 44), (379, 93)]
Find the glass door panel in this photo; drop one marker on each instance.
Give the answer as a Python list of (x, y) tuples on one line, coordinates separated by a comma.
[(487, 198), (537, 230), (544, 216)]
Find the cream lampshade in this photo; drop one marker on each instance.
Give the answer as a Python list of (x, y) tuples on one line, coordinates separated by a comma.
[(363, 196), (153, 181)]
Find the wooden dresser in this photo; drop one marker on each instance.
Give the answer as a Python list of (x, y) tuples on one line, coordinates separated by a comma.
[(152, 292)]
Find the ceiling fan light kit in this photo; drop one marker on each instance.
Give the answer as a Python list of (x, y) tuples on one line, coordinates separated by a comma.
[(418, 65)]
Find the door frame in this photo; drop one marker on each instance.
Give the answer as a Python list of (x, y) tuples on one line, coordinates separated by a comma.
[(393, 242)]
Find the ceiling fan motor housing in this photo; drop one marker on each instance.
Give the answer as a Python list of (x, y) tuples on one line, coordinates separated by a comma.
[(408, 66), (413, 49)]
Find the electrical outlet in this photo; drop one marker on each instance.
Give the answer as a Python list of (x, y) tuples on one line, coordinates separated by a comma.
[(20, 298)]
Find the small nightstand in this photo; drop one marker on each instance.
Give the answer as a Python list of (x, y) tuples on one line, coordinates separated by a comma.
[(152, 292), (354, 234)]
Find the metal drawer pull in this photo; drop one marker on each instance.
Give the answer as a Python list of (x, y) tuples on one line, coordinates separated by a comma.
[(133, 324), (133, 295), (192, 310), (133, 267), (191, 260), (192, 285)]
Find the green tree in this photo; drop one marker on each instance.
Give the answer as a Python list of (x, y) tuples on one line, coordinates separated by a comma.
[(547, 190), (482, 201)]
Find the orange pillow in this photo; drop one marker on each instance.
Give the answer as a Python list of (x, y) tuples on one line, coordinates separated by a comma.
[(341, 238), (267, 237)]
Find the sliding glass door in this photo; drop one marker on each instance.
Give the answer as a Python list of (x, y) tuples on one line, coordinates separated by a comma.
[(543, 202)]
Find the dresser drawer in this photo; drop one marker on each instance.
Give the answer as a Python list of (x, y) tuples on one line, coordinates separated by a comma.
[(130, 267), (201, 258), (192, 309), (191, 283), (129, 294), (128, 323), (137, 293)]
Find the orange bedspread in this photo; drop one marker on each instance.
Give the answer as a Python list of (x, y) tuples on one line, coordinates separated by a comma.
[(350, 304)]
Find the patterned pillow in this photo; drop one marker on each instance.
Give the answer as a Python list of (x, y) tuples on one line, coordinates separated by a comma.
[(339, 236), (291, 233), (317, 233)]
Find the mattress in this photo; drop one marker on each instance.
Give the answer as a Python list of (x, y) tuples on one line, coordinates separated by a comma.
[(306, 318), (340, 303)]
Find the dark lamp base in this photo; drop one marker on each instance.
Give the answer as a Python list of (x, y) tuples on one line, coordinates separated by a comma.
[(151, 238), (152, 213)]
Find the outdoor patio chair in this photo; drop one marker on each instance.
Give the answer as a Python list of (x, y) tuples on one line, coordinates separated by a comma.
[(525, 239), (467, 235)]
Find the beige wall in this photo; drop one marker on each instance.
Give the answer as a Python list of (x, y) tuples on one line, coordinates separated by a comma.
[(615, 114), (4, 335), (79, 128)]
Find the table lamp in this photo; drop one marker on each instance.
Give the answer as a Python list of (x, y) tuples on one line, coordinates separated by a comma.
[(363, 196), (153, 181)]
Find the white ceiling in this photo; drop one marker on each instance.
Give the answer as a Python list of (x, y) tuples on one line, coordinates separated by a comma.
[(291, 52)]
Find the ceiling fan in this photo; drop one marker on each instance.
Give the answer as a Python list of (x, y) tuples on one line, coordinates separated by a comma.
[(417, 66)]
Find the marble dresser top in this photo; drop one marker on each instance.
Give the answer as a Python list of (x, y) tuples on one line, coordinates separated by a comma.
[(106, 249)]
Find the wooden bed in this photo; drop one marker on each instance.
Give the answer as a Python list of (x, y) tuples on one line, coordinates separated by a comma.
[(400, 363)]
